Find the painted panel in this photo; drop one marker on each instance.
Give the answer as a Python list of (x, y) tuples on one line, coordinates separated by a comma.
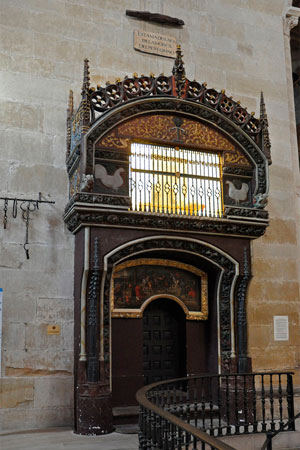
[(136, 283)]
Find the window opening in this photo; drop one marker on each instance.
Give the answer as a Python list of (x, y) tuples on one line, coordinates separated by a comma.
[(173, 180)]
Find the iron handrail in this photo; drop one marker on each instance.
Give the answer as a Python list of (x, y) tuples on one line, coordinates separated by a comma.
[(270, 435), (165, 405), (190, 429)]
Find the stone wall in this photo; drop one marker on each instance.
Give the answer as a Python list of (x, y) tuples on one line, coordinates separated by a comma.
[(238, 45)]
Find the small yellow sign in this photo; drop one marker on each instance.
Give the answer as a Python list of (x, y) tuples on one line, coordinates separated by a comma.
[(53, 329)]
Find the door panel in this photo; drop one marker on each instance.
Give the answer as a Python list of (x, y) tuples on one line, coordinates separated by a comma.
[(163, 341)]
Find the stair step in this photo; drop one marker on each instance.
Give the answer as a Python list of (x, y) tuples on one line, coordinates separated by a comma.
[(125, 415), (127, 429)]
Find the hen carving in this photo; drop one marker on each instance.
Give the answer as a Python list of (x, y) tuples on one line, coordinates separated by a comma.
[(114, 181), (238, 195)]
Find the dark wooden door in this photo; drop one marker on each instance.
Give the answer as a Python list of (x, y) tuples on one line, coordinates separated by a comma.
[(164, 341)]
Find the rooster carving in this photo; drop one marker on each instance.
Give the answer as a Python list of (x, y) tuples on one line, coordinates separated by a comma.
[(238, 195), (114, 181)]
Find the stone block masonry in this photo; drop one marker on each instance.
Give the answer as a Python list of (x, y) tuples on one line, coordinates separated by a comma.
[(229, 44)]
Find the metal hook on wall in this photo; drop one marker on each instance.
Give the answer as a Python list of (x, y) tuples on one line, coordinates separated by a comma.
[(30, 207), (5, 213), (27, 206), (15, 208)]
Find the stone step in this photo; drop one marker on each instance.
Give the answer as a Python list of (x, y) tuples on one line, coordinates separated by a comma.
[(124, 415)]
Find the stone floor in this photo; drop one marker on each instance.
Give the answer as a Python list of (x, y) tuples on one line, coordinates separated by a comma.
[(127, 439), (65, 439)]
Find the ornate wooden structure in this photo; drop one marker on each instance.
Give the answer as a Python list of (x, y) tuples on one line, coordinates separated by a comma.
[(191, 193)]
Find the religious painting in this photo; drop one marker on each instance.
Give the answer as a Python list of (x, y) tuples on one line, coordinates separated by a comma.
[(135, 283)]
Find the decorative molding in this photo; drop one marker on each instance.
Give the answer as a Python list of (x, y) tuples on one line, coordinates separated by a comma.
[(290, 20), (111, 154), (246, 212), (78, 217), (130, 89), (160, 127), (228, 170), (91, 198)]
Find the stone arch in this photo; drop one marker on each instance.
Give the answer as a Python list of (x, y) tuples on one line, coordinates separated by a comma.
[(170, 297), (229, 271)]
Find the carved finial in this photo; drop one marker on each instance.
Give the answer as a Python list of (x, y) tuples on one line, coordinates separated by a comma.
[(262, 106), (246, 264), (70, 111), (266, 143), (70, 104), (178, 68), (96, 253), (86, 78), (85, 102), (178, 72)]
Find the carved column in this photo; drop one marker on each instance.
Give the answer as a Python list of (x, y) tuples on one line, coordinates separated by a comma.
[(243, 364), (92, 326), (93, 396)]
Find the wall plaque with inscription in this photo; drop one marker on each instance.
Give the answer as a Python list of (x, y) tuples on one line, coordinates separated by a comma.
[(281, 328), (154, 43), (53, 329)]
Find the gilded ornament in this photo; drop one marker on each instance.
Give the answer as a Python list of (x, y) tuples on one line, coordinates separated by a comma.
[(236, 158)]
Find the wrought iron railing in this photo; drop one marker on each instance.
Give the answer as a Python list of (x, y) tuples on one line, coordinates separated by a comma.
[(177, 414), (161, 430), (173, 180), (290, 425)]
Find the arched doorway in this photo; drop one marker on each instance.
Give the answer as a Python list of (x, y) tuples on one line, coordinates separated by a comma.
[(164, 341)]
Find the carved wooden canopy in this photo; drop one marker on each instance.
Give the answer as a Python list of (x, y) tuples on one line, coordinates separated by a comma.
[(164, 111)]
